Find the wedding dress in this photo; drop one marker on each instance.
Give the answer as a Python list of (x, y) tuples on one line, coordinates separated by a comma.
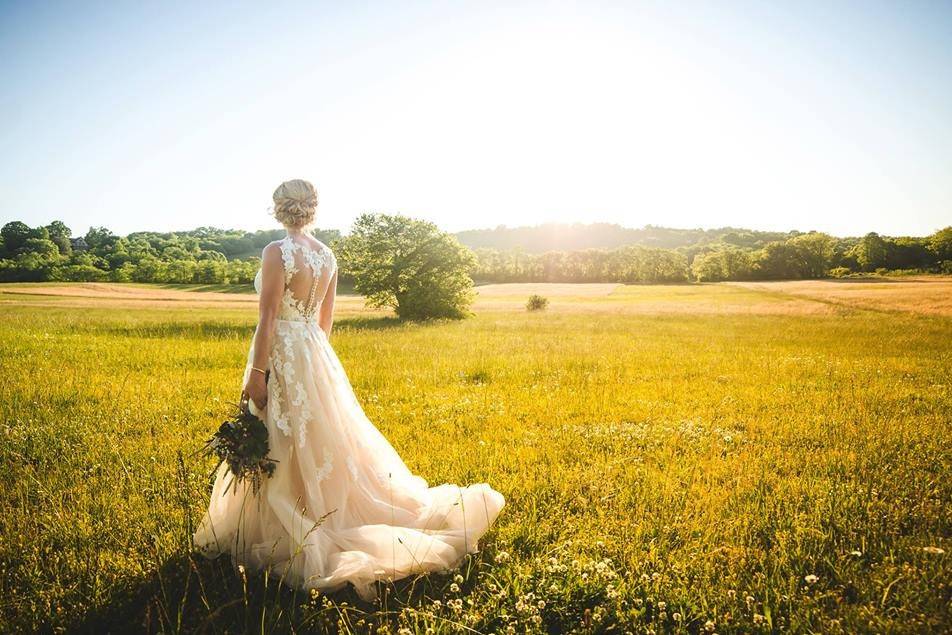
[(341, 506)]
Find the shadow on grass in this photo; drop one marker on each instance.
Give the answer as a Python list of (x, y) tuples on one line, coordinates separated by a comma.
[(238, 289), (186, 330), (202, 329), (191, 594), (370, 323)]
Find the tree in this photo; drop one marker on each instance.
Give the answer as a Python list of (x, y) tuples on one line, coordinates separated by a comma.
[(778, 261), (100, 240), (726, 263), (871, 252), (60, 234), (815, 251), (15, 234), (940, 243), (409, 265)]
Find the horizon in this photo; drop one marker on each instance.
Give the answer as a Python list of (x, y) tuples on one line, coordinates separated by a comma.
[(742, 115)]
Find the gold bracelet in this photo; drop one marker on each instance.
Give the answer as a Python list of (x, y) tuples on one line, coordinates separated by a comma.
[(259, 370)]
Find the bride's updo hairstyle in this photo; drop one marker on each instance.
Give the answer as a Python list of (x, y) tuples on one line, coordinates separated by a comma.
[(295, 203)]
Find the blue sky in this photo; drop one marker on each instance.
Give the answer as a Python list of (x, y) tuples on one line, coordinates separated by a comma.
[(835, 116)]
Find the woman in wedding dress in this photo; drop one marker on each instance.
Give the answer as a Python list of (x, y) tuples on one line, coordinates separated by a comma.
[(341, 506)]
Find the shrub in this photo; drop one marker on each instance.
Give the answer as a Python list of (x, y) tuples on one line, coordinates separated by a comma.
[(537, 303)]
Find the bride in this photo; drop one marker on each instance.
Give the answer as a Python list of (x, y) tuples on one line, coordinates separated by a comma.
[(341, 506)]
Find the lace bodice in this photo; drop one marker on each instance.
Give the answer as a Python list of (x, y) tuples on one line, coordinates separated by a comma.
[(303, 263)]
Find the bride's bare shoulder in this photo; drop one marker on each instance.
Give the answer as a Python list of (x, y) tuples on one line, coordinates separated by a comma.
[(271, 252)]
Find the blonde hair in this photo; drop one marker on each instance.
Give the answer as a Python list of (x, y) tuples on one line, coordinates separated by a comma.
[(295, 203)]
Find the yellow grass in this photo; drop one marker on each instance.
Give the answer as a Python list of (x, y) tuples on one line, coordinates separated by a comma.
[(709, 447)]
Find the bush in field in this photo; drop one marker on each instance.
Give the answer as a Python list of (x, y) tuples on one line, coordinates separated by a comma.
[(409, 265), (537, 303)]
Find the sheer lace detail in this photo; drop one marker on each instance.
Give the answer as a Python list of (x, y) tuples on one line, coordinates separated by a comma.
[(307, 276)]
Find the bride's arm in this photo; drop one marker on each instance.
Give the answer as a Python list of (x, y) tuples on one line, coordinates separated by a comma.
[(269, 303), (326, 317)]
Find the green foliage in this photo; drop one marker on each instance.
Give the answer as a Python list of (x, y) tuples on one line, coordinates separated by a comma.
[(409, 265), (632, 264), (871, 252), (646, 256), (725, 263), (537, 302), (15, 235), (940, 243), (205, 255)]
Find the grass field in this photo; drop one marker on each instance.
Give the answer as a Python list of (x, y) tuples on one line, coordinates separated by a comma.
[(699, 458)]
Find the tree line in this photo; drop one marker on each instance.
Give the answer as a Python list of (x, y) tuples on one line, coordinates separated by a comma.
[(205, 255), (214, 256), (735, 256)]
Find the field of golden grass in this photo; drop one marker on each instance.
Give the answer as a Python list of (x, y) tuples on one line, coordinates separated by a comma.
[(730, 458)]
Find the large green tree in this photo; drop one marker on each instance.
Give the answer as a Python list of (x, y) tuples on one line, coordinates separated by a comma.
[(409, 265)]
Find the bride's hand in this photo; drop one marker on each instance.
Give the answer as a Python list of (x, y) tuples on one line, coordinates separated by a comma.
[(257, 390)]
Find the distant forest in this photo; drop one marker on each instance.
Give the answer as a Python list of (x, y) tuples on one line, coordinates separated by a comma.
[(597, 252), (603, 252)]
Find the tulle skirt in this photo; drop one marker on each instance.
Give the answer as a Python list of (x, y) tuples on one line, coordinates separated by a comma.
[(341, 506)]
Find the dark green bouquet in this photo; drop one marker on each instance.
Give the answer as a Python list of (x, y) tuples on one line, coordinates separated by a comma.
[(242, 444)]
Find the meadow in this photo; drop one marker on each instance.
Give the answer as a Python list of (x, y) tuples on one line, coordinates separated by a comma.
[(729, 458)]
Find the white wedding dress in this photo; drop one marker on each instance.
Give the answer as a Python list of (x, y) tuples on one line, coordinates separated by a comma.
[(341, 506)]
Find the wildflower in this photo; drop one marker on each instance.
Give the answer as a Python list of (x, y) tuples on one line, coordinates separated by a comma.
[(662, 605), (938, 551), (502, 556), (662, 616), (709, 626), (404, 631), (655, 575), (811, 579), (731, 593), (638, 603), (541, 604), (458, 579), (645, 577), (758, 619), (314, 594), (676, 617), (454, 588)]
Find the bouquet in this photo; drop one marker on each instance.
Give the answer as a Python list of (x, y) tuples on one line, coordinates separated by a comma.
[(242, 443)]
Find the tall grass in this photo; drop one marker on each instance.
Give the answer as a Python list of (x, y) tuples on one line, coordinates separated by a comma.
[(666, 472)]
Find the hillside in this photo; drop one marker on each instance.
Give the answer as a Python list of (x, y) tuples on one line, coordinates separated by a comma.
[(571, 237)]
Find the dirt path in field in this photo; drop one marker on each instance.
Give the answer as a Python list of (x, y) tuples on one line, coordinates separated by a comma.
[(926, 295)]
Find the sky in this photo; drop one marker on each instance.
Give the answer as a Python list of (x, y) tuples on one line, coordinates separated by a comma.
[(832, 116)]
